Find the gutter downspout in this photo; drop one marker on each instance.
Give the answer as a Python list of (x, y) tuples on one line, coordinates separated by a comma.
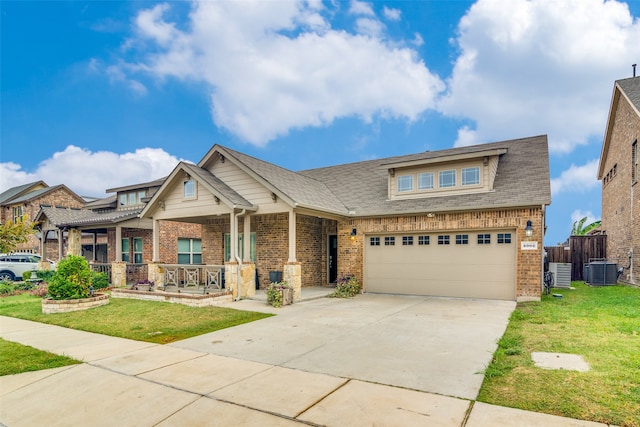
[(236, 254)]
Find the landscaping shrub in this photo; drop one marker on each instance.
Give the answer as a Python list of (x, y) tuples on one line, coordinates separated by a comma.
[(45, 275), (72, 279), (8, 288), (40, 291), (26, 275), (274, 293), (100, 281), (346, 287)]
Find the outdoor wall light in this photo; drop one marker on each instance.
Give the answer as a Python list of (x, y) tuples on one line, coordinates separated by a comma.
[(528, 230), (353, 233)]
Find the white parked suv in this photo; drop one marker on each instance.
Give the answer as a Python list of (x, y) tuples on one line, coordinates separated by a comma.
[(13, 266)]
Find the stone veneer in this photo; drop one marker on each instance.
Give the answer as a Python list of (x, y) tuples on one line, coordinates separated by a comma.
[(175, 298), (51, 306), (529, 263)]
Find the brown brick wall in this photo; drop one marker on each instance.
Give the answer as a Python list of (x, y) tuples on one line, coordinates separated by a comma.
[(620, 196), (529, 263), (60, 197)]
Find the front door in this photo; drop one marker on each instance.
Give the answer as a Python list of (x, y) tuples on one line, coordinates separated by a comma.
[(333, 258)]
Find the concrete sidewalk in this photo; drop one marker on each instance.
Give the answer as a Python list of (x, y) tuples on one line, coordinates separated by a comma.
[(130, 383)]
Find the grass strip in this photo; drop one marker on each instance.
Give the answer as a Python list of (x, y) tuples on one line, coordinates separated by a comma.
[(17, 358)]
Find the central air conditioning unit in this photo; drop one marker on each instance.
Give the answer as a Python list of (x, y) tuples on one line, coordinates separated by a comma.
[(561, 274), (603, 273)]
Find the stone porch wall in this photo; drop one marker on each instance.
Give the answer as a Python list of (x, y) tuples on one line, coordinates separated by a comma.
[(529, 263)]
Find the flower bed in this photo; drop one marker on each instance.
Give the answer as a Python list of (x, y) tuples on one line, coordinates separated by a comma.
[(173, 297), (51, 306)]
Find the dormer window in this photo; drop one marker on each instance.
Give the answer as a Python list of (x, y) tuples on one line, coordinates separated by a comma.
[(405, 183), (189, 189), (447, 178), (425, 181), (471, 176)]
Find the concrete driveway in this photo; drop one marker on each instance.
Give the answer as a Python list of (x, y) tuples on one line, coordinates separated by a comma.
[(437, 345)]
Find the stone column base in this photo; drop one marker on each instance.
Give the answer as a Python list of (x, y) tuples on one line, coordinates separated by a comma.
[(155, 274), (248, 283), (231, 277), (292, 274), (119, 274)]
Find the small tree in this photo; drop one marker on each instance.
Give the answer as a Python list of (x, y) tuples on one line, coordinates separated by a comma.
[(14, 233), (72, 279)]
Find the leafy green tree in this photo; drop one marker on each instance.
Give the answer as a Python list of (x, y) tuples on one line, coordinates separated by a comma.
[(579, 229), (12, 234)]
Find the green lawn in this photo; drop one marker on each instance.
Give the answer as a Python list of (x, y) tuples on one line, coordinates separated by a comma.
[(603, 325), (156, 322), (17, 358)]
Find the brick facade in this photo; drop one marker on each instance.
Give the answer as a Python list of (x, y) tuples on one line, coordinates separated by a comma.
[(528, 270), (620, 195)]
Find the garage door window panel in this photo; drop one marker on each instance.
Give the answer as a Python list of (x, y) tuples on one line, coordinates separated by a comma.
[(407, 240), (504, 238), (484, 239), (443, 240), (462, 239), (389, 241), (423, 240), (374, 241)]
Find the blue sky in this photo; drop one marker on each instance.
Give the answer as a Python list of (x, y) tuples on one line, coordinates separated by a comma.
[(99, 94)]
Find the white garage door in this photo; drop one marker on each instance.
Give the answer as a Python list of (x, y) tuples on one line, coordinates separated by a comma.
[(479, 264)]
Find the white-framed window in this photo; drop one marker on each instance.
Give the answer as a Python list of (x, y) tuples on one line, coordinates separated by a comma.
[(504, 238), (407, 240), (123, 199), (389, 241), (125, 249), (405, 183), (374, 241), (131, 199), (447, 178), (189, 251), (471, 176), (17, 214), (443, 240), (425, 181), (189, 189), (423, 240), (252, 248), (462, 239)]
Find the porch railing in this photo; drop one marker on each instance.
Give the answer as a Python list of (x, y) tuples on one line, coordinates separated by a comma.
[(101, 267), (136, 273), (195, 277)]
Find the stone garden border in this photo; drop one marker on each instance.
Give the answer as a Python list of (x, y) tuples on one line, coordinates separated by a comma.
[(176, 298), (51, 306)]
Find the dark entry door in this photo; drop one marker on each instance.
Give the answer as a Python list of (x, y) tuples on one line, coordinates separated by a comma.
[(333, 258)]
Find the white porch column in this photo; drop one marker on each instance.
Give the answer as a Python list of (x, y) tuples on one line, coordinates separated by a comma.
[(292, 236), (156, 240), (118, 243), (233, 237), (60, 243)]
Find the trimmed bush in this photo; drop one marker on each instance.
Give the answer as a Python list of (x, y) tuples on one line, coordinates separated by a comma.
[(346, 287), (100, 281), (72, 279), (45, 275)]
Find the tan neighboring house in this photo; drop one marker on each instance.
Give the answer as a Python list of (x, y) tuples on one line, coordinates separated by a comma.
[(619, 172), (461, 222), (23, 202), (110, 230)]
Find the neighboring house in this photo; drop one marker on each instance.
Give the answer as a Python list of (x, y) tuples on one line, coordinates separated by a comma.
[(461, 222), (620, 175), (110, 229), (22, 203)]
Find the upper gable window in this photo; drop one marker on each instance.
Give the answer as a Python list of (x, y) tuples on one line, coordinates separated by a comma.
[(405, 183), (471, 176), (447, 178), (189, 188), (425, 181), (131, 198)]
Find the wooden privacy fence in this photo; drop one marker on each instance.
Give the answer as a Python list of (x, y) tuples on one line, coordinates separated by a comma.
[(582, 249)]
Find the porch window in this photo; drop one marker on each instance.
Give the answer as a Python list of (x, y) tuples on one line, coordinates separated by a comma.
[(227, 246), (137, 250), (125, 250), (189, 251)]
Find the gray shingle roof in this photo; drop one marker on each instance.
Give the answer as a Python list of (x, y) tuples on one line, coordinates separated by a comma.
[(13, 192), (631, 88), (304, 190), (78, 217), (522, 179)]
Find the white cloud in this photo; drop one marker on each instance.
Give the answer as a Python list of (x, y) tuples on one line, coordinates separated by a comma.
[(91, 173), (577, 179), (529, 67), (392, 14), (276, 66)]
